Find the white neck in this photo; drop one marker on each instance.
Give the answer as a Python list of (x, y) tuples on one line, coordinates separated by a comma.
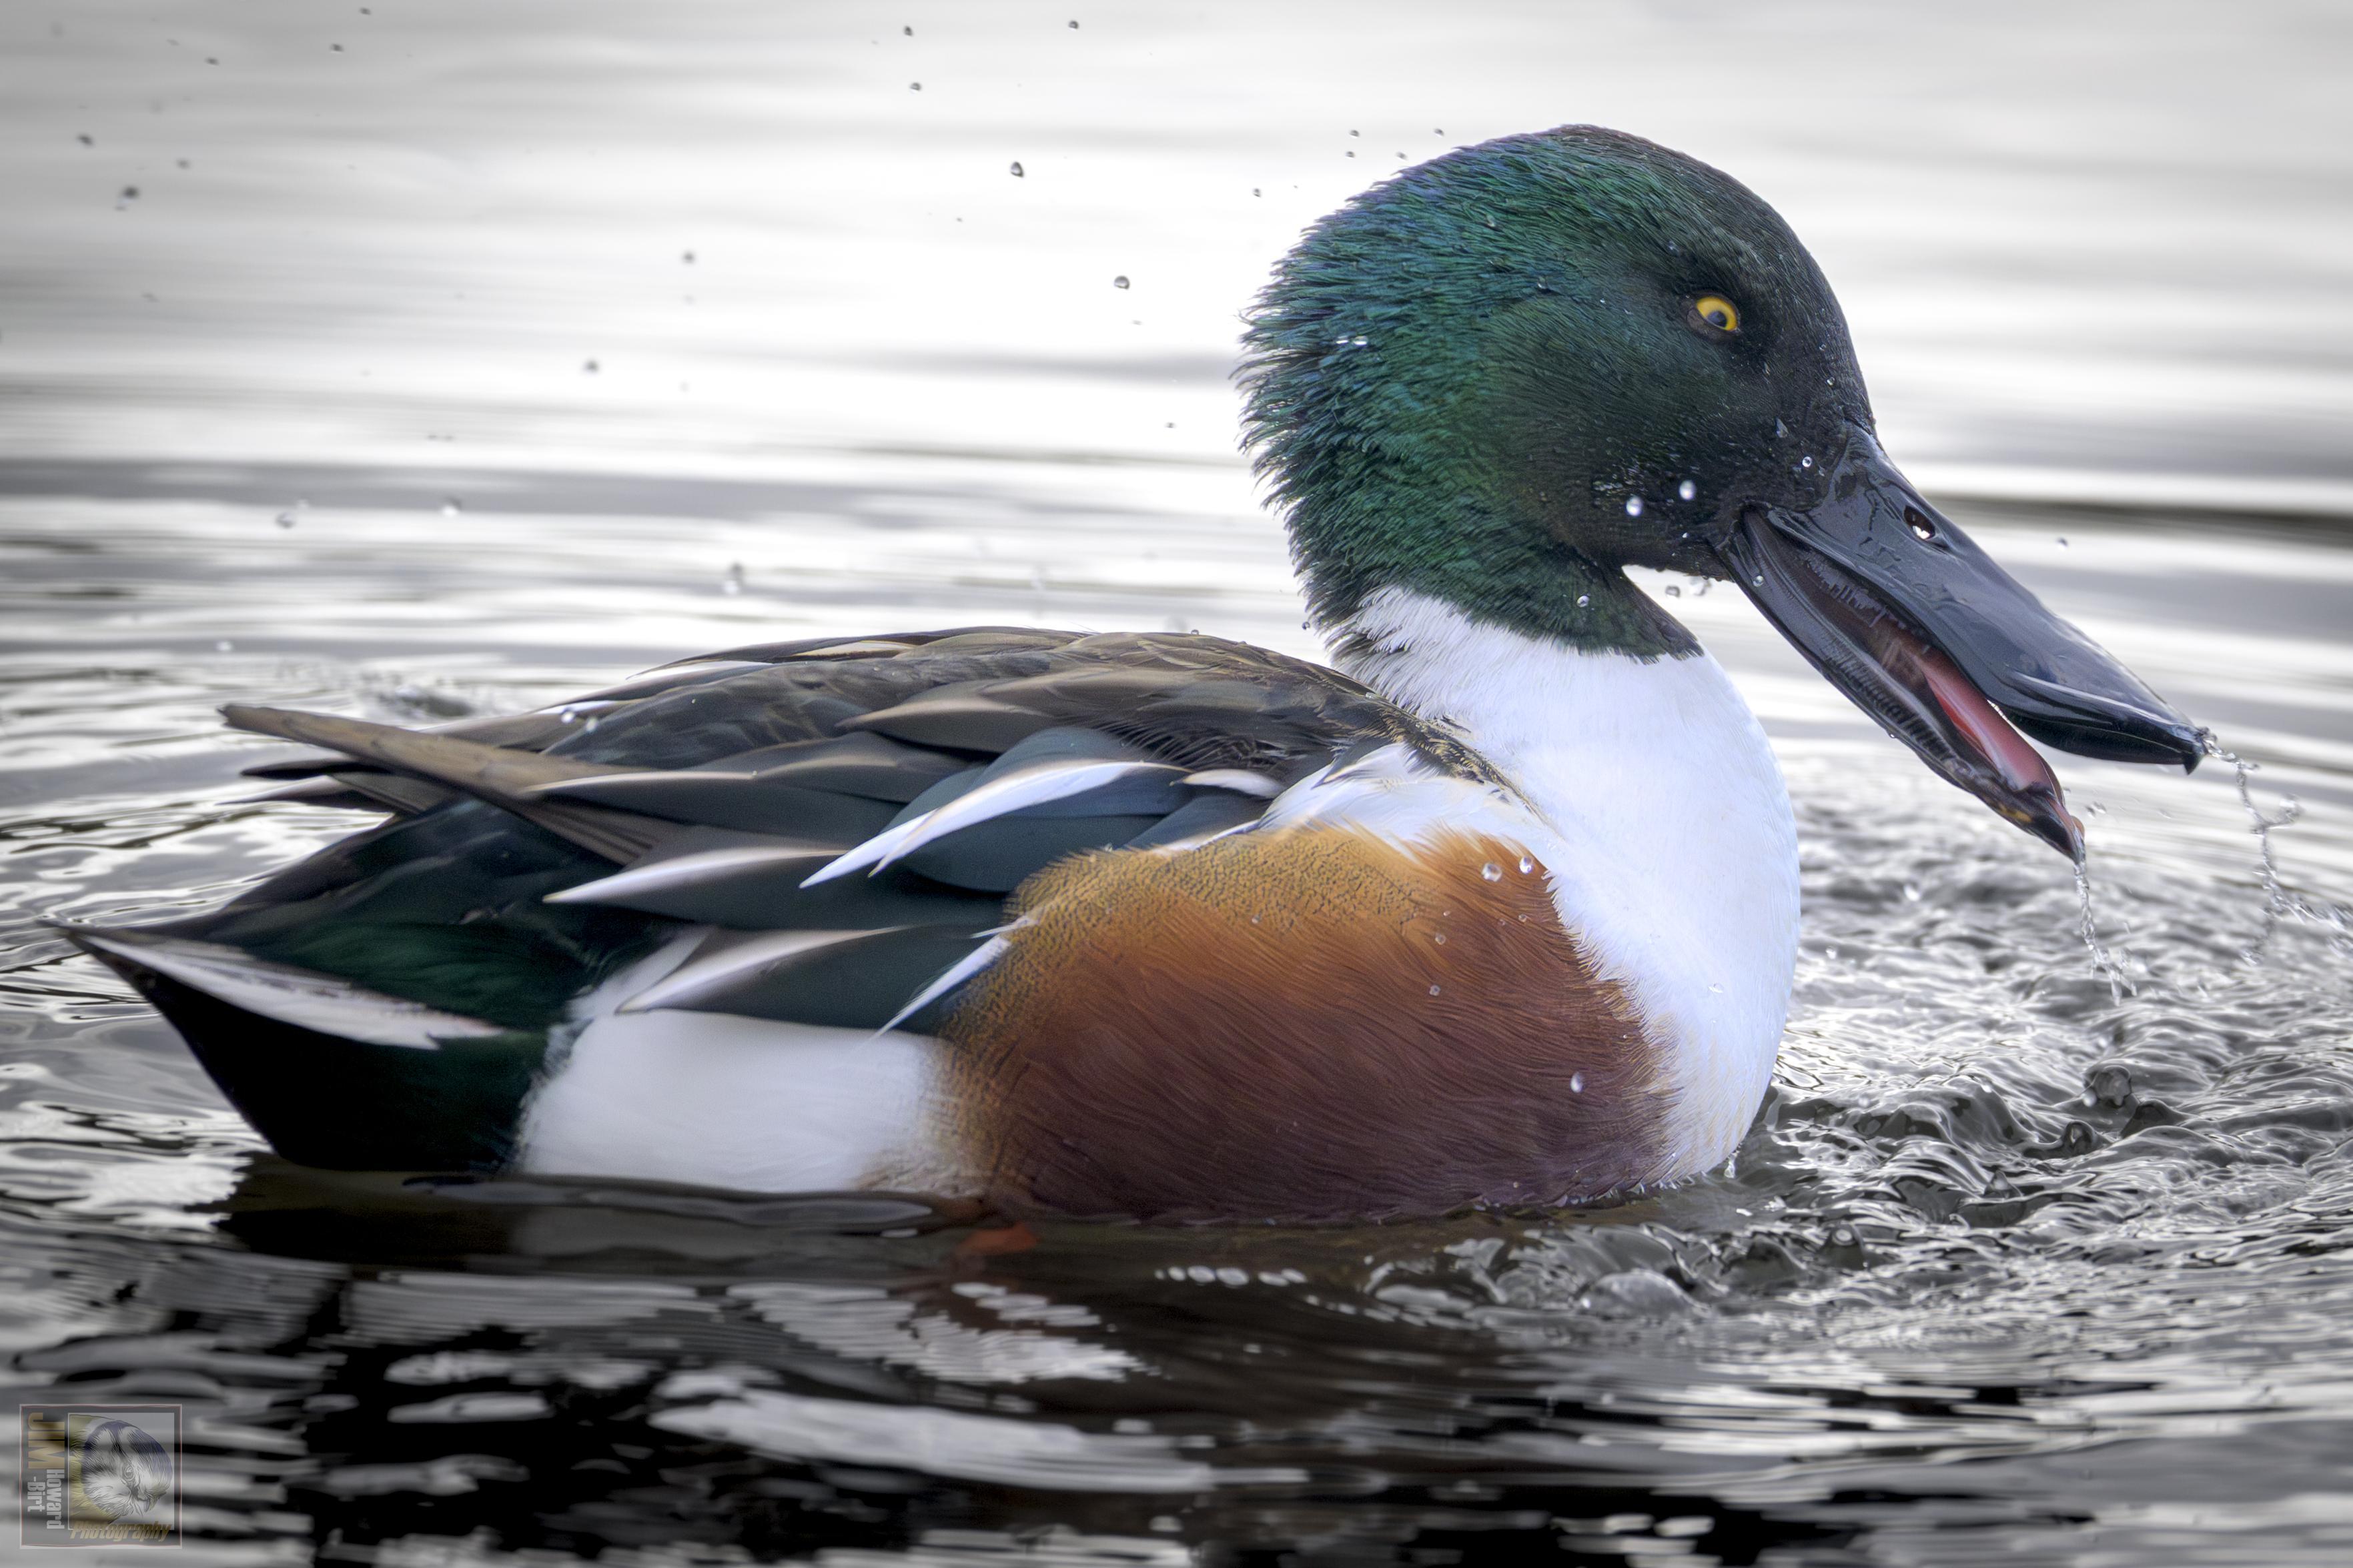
[(1678, 866)]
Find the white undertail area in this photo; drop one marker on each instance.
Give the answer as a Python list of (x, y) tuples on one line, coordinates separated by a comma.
[(713, 1100), (1677, 864)]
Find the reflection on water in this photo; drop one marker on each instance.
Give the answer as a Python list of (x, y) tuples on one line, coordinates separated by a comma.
[(2011, 1264)]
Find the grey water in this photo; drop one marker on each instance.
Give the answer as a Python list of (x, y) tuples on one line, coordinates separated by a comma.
[(421, 358)]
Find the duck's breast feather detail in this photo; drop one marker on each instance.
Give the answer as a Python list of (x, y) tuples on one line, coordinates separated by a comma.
[(1307, 1023)]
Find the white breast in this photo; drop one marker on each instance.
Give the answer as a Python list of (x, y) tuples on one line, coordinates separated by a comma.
[(1678, 858)]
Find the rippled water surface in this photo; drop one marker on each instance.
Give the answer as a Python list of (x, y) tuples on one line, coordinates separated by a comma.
[(448, 362)]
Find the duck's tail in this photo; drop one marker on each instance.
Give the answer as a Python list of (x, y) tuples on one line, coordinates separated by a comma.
[(331, 1073)]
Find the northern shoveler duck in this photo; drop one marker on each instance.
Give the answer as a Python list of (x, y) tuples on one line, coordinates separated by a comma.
[(1501, 910)]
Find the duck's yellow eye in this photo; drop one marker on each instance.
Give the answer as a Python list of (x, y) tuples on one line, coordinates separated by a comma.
[(1717, 311)]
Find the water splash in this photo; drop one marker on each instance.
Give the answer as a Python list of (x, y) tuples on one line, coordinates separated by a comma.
[(2104, 961), (2279, 899)]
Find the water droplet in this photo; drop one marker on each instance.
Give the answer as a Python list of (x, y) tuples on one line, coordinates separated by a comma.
[(909, 32), (223, 646), (687, 256), (1492, 872), (2103, 964), (1842, 1236), (1016, 168), (1120, 281), (1760, 579), (1779, 430), (1584, 600), (1673, 592), (130, 192), (1831, 954), (1528, 863), (1687, 489), (1924, 528), (451, 506), (1433, 991), (285, 519), (1577, 1083), (733, 583), (1438, 940), (1357, 342), (1355, 133), (1806, 462), (1074, 26), (1911, 892), (589, 366), (1634, 506), (914, 87), (2062, 541)]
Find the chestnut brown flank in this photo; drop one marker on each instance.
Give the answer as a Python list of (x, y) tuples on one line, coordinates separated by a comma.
[(1249, 1030)]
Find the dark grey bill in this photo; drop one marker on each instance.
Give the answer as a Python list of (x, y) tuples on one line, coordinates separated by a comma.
[(1903, 612)]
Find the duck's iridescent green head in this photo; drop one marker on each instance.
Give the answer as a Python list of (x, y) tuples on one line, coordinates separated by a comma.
[(1498, 379)]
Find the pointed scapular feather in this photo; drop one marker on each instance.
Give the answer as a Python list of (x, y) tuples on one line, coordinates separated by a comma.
[(712, 797), (664, 879), (1006, 852), (882, 644), (704, 877), (956, 974), (503, 777), (961, 718), (1040, 791), (302, 998), (848, 979), (531, 731), (1242, 781), (671, 676), (1200, 819), (859, 764), (408, 797)]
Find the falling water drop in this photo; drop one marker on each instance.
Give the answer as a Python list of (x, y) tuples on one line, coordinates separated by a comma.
[(1016, 168), (1583, 601), (1433, 991), (733, 583), (1634, 506), (1120, 281), (1577, 1083), (1686, 490), (2278, 897), (1492, 872), (2103, 964), (1528, 863)]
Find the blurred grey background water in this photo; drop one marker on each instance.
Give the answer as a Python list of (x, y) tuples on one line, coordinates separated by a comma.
[(420, 359)]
